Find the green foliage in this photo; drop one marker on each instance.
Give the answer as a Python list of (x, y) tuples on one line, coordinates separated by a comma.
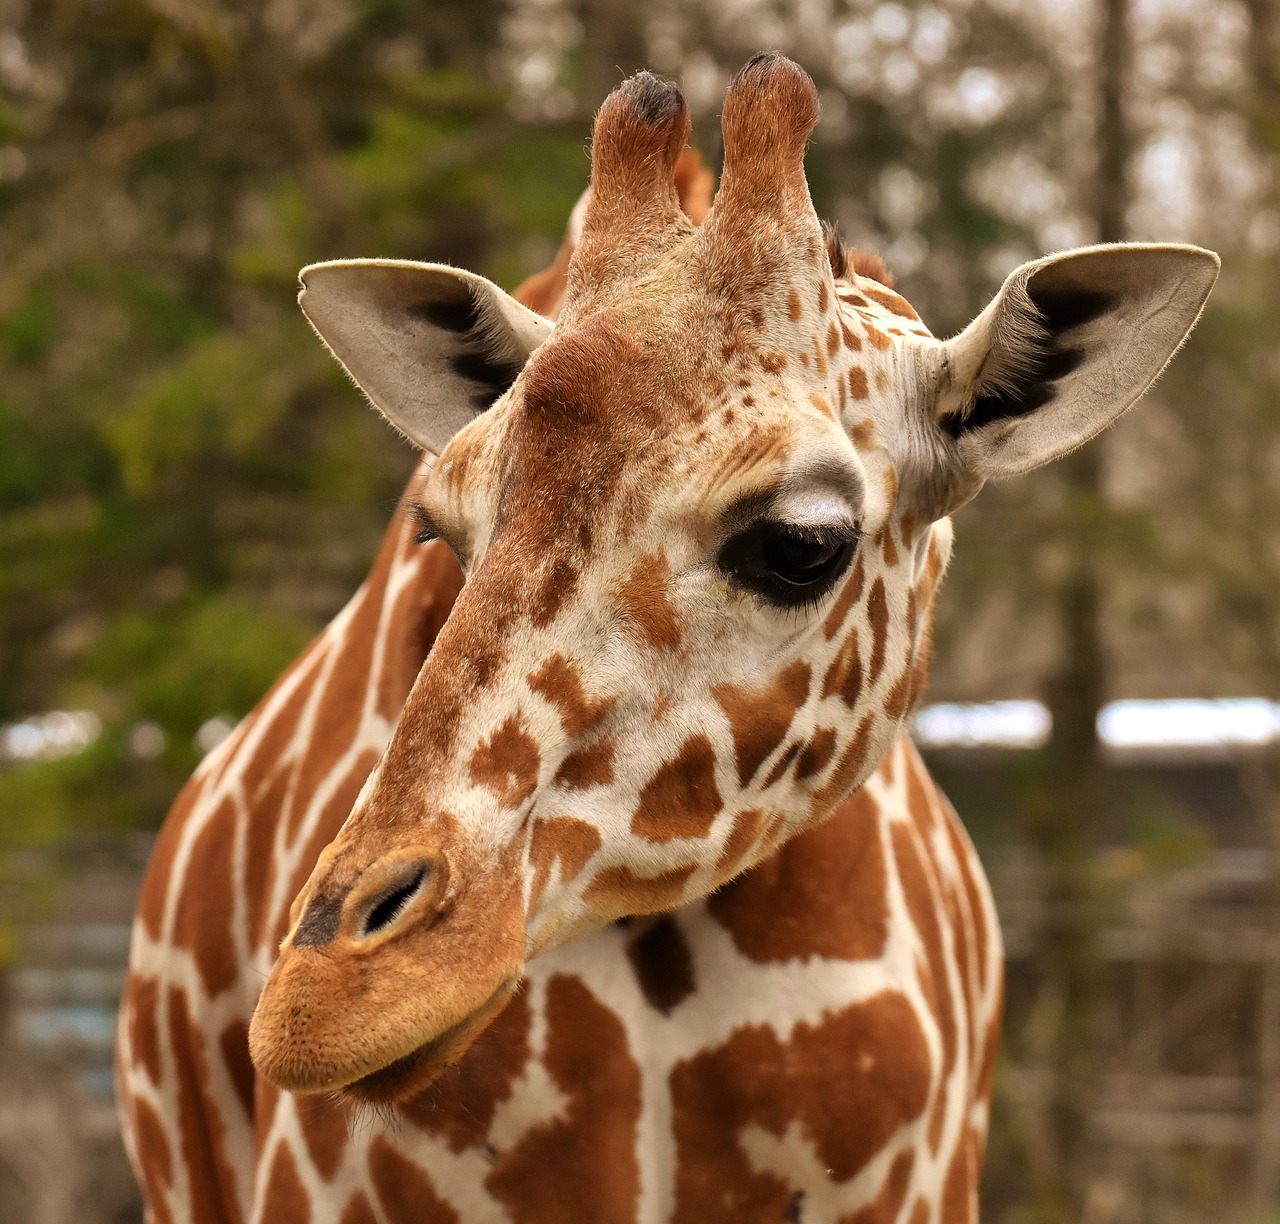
[(189, 486), (28, 331), (225, 651)]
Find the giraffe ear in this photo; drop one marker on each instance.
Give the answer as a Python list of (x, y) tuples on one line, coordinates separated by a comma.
[(1064, 348), (431, 346)]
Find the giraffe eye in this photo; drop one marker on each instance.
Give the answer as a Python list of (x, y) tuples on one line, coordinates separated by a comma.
[(789, 564)]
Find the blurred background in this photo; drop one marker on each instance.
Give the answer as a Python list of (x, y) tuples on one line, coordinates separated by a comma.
[(189, 489)]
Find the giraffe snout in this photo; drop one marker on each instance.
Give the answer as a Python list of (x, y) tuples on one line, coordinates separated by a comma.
[(397, 962)]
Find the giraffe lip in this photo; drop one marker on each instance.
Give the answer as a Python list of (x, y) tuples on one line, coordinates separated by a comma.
[(411, 1073)]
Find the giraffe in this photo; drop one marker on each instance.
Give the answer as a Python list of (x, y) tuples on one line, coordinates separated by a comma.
[(605, 884)]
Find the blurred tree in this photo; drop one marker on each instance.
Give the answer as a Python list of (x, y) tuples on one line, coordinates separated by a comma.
[(1067, 797), (188, 488)]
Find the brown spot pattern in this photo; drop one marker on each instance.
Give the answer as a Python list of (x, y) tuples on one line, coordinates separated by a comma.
[(899, 699), (918, 887), (558, 585), (154, 1157), (286, 1199), (645, 605), (844, 676), (878, 615), (271, 756), (824, 893), (619, 891), (847, 768), (817, 752), (591, 766), (459, 1107), (761, 718), (892, 303), (201, 923), (209, 1175), (878, 338), (507, 763), (581, 1166), (889, 544), (561, 839), (144, 1023), (744, 834), (233, 1042), (775, 363), (849, 595), (417, 619), (857, 377), (324, 1123), (663, 964), (338, 708), (756, 1079), (887, 1204), (863, 433), (781, 765), (358, 1210), (407, 1195), (681, 799), (823, 406), (960, 1190), (560, 682)]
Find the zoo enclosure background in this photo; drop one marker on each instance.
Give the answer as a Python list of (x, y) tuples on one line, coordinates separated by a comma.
[(189, 488)]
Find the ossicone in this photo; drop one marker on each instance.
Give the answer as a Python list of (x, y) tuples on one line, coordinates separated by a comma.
[(770, 110), (639, 133)]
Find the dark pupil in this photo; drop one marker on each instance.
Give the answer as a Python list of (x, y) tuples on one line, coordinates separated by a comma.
[(796, 559)]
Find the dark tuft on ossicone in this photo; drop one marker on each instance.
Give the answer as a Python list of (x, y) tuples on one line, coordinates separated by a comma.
[(656, 101), (760, 62)]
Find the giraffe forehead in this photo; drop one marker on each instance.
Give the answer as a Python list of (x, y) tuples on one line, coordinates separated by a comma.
[(680, 388)]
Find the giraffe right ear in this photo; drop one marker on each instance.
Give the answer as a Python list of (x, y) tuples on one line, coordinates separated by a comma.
[(431, 346), (1066, 346)]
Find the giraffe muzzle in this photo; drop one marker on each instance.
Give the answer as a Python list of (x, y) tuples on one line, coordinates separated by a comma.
[(391, 971)]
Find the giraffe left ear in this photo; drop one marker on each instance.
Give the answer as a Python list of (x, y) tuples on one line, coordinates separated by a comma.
[(431, 346), (1067, 345)]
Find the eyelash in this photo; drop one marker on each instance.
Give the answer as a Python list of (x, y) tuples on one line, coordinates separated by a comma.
[(427, 530)]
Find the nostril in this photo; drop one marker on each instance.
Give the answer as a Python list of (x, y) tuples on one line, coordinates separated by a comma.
[(387, 907)]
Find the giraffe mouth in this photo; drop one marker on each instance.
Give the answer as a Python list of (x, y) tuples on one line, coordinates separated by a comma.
[(411, 1073)]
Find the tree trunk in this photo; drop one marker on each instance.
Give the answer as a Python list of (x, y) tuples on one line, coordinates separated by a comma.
[(1065, 819), (1264, 64)]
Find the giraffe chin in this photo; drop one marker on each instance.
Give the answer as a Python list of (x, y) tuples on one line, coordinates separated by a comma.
[(416, 1071)]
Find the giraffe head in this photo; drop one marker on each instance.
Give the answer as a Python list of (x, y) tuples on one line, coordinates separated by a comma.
[(701, 519)]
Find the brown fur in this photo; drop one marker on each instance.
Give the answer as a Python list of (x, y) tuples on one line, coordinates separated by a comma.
[(760, 718), (681, 799), (663, 965), (832, 893)]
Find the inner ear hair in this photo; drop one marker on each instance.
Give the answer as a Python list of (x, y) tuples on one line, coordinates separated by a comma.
[(496, 356), (489, 355), (1027, 354)]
